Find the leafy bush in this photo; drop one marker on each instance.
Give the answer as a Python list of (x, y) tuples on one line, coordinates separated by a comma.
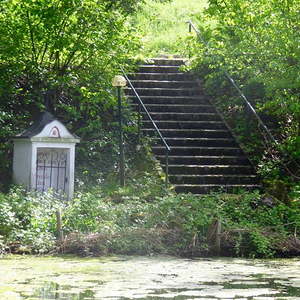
[(27, 221), (253, 225), (121, 221), (256, 224)]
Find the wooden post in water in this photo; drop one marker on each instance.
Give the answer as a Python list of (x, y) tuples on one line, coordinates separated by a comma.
[(218, 236), (59, 230)]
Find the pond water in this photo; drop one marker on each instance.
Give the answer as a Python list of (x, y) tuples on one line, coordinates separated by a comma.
[(158, 277)]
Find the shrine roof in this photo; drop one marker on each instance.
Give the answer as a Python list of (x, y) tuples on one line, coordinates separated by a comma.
[(38, 125)]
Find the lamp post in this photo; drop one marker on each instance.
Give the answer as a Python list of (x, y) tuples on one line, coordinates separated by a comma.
[(119, 82)]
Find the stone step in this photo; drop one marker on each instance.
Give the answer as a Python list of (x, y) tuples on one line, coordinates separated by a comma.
[(213, 179), (185, 124), (205, 160), (208, 188), (162, 91), (181, 108), (167, 62), (190, 133), (162, 84), (164, 116), (159, 69), (198, 142), (204, 157), (161, 76), (168, 100), (210, 169), (199, 151)]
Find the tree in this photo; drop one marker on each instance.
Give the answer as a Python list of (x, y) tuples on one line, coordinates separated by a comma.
[(257, 42), (67, 52)]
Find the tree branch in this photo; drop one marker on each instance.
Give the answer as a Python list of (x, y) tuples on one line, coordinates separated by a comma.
[(31, 38)]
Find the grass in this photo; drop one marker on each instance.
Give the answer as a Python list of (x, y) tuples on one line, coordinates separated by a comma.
[(163, 27)]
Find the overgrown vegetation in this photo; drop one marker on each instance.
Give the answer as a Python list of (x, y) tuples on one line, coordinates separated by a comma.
[(122, 221), (256, 43), (63, 54), (162, 25)]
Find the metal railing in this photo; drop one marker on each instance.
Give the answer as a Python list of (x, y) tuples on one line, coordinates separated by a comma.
[(141, 106), (250, 107)]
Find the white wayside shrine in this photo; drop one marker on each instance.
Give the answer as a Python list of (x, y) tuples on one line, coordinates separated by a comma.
[(44, 157)]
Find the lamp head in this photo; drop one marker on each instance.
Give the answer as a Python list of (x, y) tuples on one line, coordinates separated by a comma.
[(119, 81)]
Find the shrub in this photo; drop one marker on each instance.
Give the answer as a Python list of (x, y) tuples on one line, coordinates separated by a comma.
[(27, 220), (105, 221)]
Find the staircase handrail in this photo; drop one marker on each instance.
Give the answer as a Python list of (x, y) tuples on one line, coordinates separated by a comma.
[(141, 104), (243, 96)]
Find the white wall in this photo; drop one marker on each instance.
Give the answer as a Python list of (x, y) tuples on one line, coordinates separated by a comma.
[(22, 163)]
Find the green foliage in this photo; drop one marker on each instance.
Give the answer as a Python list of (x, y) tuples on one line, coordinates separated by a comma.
[(27, 221), (162, 25), (180, 224), (121, 221), (111, 208), (189, 215), (64, 54), (258, 224), (254, 41)]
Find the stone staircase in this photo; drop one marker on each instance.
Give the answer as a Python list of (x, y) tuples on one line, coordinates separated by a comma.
[(204, 155)]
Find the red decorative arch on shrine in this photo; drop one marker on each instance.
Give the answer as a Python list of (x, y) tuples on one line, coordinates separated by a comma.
[(54, 132)]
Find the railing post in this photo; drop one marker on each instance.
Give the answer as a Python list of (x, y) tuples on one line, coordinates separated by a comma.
[(167, 167), (190, 27), (190, 31)]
